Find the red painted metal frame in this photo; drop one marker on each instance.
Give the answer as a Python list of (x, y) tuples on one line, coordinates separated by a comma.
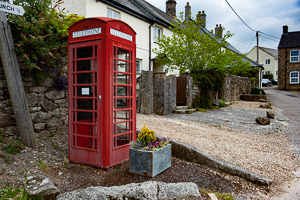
[(105, 151)]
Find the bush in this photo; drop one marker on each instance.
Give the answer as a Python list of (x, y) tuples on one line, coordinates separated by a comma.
[(256, 90)]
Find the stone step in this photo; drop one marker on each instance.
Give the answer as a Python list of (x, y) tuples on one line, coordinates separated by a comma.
[(184, 111), (181, 107)]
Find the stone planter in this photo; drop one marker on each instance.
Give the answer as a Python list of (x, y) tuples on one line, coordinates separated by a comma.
[(149, 163)]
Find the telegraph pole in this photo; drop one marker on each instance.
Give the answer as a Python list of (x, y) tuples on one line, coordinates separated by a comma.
[(257, 55), (13, 76)]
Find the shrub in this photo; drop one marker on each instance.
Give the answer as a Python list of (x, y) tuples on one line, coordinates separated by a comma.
[(256, 90)]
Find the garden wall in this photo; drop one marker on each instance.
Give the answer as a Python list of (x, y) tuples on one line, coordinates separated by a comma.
[(48, 106), (235, 86)]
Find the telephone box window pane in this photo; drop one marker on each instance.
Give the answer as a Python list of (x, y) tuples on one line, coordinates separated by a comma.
[(95, 65), (85, 104), (123, 115), (85, 65), (85, 52), (122, 103), (122, 54), (95, 55), (122, 139), (85, 78), (122, 78), (123, 66), (74, 68), (121, 128), (123, 91), (86, 117)]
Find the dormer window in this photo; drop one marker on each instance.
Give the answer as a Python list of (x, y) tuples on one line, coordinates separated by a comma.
[(113, 14), (294, 56)]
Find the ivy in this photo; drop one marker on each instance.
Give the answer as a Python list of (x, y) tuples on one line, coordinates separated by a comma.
[(41, 35)]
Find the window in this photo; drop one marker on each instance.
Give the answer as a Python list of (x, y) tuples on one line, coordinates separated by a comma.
[(113, 14), (294, 77), (294, 56), (157, 33), (138, 66), (267, 61)]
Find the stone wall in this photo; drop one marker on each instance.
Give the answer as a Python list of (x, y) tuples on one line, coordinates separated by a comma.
[(48, 106), (164, 94), (235, 86), (145, 101), (284, 69)]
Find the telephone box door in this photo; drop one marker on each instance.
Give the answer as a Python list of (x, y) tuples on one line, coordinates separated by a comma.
[(85, 102)]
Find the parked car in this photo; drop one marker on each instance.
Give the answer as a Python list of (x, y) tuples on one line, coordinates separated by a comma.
[(266, 82), (274, 81)]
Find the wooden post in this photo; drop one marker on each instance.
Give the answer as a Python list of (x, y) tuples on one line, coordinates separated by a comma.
[(15, 84)]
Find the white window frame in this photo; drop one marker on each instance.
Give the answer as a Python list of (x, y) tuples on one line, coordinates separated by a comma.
[(138, 63), (268, 61), (157, 33), (294, 57), (113, 14), (294, 79)]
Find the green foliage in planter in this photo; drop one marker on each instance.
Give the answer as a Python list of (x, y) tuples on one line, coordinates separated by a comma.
[(256, 90), (221, 103), (41, 35)]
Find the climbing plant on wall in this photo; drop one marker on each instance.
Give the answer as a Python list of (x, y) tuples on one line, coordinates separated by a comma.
[(41, 35)]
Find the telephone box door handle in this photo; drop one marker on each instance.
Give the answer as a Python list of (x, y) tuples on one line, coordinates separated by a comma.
[(99, 97)]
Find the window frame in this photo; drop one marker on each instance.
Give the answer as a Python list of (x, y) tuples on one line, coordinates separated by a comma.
[(157, 33), (293, 56), (268, 61), (113, 12), (296, 77), (140, 66)]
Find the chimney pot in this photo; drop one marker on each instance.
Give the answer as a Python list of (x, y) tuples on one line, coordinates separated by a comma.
[(171, 8), (187, 11), (219, 31)]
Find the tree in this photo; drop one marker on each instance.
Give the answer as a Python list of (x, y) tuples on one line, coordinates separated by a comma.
[(192, 48)]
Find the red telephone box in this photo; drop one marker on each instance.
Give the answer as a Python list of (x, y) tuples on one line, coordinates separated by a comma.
[(102, 91)]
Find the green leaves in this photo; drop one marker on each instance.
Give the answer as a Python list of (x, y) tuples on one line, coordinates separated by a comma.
[(41, 33), (191, 48)]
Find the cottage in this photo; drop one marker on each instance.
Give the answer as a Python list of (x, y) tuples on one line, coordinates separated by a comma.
[(268, 58), (289, 60)]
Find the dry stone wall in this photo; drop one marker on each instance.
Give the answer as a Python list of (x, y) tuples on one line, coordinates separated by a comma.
[(48, 106)]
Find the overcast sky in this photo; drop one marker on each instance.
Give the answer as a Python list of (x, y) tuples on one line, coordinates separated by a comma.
[(267, 16)]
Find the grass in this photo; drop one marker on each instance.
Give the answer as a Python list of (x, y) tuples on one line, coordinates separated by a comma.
[(201, 109), (42, 165), (13, 193), (220, 196)]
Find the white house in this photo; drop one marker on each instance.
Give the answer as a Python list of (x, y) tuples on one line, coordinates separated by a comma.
[(268, 58), (148, 21)]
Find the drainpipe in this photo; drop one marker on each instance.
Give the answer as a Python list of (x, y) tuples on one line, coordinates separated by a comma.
[(150, 47)]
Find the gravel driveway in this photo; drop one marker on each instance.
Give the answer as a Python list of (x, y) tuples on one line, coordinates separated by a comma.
[(231, 134)]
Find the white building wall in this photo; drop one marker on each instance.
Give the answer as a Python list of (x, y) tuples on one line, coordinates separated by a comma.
[(91, 8), (263, 56)]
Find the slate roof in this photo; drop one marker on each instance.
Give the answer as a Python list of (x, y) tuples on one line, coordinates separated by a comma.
[(289, 40), (272, 52), (142, 10)]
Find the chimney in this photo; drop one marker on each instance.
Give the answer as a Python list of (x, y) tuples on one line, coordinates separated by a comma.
[(171, 8), (219, 31), (201, 18), (285, 30), (187, 11)]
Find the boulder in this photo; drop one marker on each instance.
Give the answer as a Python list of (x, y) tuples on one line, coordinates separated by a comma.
[(40, 187), (48, 105), (270, 114), (262, 121), (55, 94), (146, 190)]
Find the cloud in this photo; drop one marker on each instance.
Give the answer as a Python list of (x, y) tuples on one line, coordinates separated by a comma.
[(267, 16)]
